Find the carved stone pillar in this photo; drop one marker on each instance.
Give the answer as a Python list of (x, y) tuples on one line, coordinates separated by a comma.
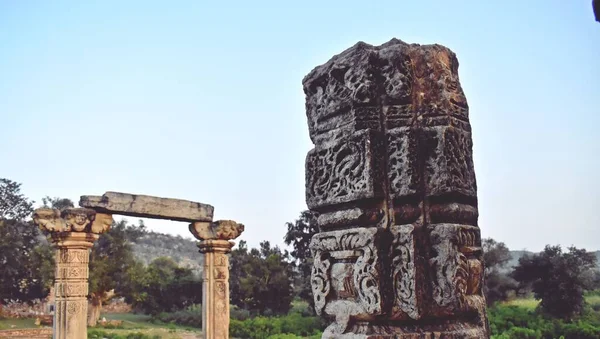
[(215, 244), (392, 183), (73, 233)]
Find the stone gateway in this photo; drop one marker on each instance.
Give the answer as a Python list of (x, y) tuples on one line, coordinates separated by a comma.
[(392, 183)]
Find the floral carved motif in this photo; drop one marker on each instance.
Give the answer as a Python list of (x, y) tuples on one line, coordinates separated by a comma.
[(359, 243)]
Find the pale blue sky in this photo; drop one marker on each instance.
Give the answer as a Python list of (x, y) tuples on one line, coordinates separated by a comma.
[(203, 101)]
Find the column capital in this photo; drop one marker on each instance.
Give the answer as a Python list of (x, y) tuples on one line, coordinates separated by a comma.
[(74, 220), (217, 246), (216, 230)]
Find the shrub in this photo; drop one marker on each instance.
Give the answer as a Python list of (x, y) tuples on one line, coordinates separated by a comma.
[(509, 321), (289, 326), (98, 334), (190, 317)]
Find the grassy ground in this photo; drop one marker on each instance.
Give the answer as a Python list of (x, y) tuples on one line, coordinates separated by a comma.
[(531, 303), (7, 324), (132, 323), (141, 323)]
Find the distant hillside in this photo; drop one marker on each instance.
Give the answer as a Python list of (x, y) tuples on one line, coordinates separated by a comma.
[(152, 245)]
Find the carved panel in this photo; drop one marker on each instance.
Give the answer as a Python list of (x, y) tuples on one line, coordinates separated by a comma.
[(407, 291), (403, 171), (456, 264), (73, 256), (355, 253), (343, 172), (449, 162)]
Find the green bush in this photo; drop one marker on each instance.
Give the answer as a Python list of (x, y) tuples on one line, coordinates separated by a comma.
[(238, 313), (510, 321), (190, 317), (524, 333), (290, 326), (98, 334)]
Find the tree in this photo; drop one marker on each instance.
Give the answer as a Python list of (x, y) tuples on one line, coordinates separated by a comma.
[(26, 263), (298, 235), (110, 259), (498, 283), (57, 203), (26, 259), (13, 204), (261, 279), (558, 279), (162, 287)]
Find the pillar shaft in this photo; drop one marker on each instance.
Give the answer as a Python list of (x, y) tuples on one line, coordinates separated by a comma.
[(392, 183), (71, 284), (215, 245), (215, 288), (73, 231)]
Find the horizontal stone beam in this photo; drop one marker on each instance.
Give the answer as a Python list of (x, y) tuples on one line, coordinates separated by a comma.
[(145, 206)]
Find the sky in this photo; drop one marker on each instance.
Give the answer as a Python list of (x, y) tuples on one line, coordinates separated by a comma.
[(202, 100)]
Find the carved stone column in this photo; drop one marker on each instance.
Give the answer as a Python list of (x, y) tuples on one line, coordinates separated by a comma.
[(73, 233), (215, 244), (392, 182)]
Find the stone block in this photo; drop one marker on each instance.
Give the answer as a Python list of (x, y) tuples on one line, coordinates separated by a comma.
[(343, 172), (145, 206)]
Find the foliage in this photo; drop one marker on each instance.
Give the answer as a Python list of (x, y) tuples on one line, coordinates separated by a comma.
[(162, 287), (278, 327), (99, 334), (13, 204), (510, 321), (26, 262), (298, 235), (261, 279), (498, 283), (558, 279), (192, 316), (58, 203), (110, 260)]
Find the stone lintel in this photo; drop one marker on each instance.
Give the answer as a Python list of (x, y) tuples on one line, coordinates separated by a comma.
[(145, 206)]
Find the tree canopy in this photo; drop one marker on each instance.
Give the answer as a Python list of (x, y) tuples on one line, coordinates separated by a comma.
[(261, 279), (558, 278)]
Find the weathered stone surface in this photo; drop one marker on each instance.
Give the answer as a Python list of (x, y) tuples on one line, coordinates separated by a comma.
[(215, 288), (145, 206), (217, 230), (392, 180), (71, 220)]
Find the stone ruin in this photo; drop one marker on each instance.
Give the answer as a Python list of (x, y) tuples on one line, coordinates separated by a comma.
[(74, 231), (392, 183)]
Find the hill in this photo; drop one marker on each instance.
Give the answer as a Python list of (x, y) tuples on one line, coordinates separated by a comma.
[(152, 245)]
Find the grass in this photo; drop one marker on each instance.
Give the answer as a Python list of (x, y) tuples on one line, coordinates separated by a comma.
[(530, 304), (8, 324), (131, 323)]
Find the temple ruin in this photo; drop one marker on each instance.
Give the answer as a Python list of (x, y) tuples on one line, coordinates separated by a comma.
[(74, 230), (392, 182)]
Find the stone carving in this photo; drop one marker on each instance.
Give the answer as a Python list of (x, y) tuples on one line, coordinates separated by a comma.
[(360, 286), (341, 173), (221, 229), (49, 220), (71, 220), (102, 223), (73, 232), (404, 272), (392, 181), (77, 219)]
